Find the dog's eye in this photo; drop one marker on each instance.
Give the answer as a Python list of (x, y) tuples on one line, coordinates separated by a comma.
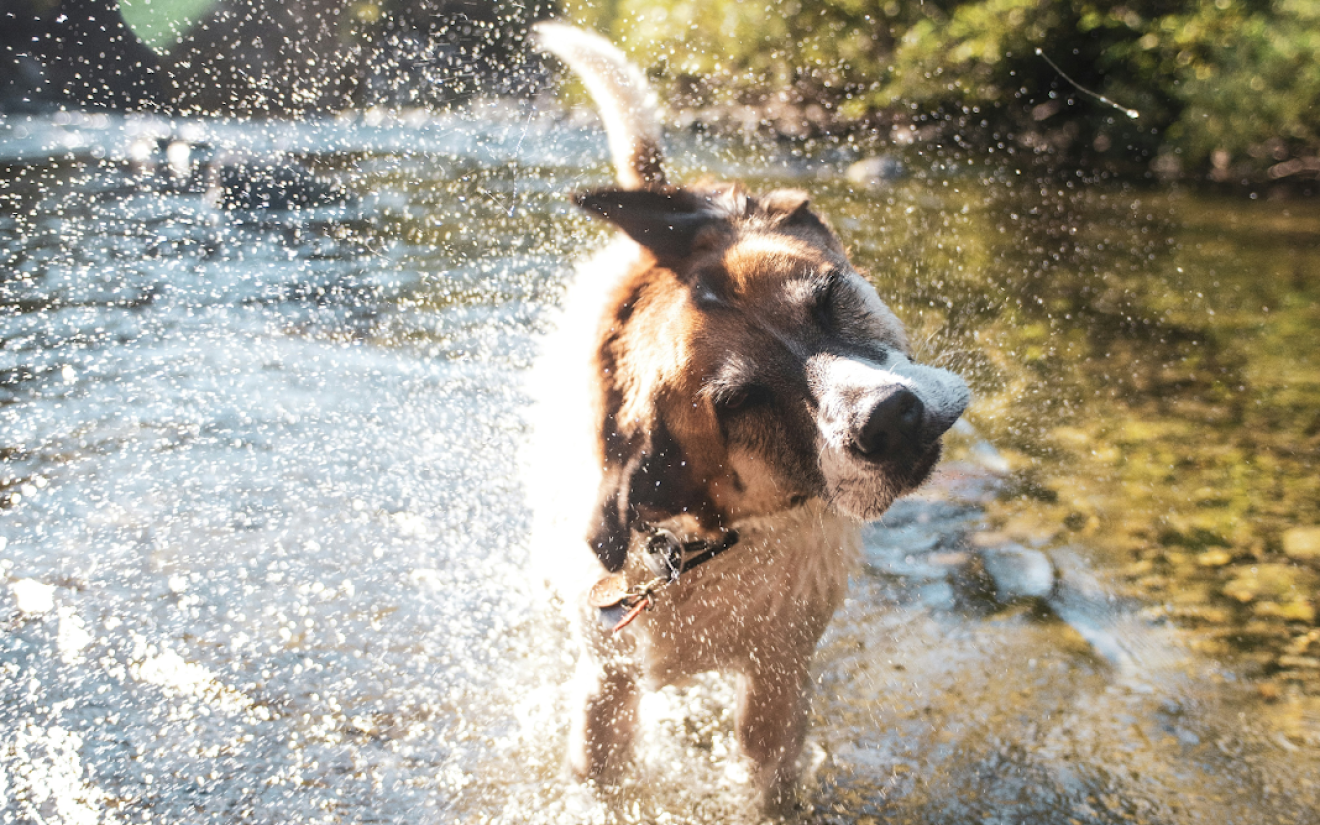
[(745, 397), (822, 308)]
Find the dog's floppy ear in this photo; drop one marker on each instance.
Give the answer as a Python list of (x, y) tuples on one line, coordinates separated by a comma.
[(791, 207), (646, 479), (665, 222), (650, 477)]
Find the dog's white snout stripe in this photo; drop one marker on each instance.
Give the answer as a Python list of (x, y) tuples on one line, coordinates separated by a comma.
[(847, 388)]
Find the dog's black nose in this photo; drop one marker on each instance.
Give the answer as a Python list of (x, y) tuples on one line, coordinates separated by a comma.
[(895, 420)]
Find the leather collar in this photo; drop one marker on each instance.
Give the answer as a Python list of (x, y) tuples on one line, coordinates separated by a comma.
[(667, 558)]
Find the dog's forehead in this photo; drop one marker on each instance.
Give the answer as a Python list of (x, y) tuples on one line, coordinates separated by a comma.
[(775, 277), (760, 262)]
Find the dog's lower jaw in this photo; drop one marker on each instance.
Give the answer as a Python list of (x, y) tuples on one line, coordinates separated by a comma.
[(857, 489)]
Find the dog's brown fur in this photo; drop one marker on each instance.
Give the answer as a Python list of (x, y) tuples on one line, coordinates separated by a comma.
[(742, 376)]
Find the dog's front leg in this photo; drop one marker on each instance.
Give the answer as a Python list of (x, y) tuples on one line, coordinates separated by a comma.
[(601, 740), (771, 722)]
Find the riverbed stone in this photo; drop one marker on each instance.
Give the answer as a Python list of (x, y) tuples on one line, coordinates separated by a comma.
[(1303, 642), (1300, 662), (1201, 613), (1276, 582), (1018, 573), (1302, 543), (1139, 568), (1192, 592), (876, 171), (1293, 610)]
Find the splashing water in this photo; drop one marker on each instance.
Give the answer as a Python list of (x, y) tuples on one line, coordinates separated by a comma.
[(262, 556)]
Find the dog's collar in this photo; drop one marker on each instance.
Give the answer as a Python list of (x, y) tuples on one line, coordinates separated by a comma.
[(667, 557)]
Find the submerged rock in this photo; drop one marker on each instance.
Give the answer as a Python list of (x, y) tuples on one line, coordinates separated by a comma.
[(876, 171), (1018, 573), (268, 183), (1302, 543), (231, 178), (1276, 582), (1298, 609)]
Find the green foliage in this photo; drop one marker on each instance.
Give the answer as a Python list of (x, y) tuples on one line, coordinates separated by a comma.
[(162, 22), (1249, 80), (1226, 85)]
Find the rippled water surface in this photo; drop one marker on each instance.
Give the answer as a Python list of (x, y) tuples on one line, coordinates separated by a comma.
[(262, 550)]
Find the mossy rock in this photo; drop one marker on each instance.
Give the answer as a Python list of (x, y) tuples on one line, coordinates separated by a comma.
[(1302, 543), (1281, 583)]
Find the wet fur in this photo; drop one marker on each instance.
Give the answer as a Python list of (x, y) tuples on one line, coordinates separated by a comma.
[(712, 372)]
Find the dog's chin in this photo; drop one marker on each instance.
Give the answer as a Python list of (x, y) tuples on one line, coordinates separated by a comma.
[(864, 490)]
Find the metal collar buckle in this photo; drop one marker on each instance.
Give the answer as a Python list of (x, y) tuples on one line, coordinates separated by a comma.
[(667, 557)]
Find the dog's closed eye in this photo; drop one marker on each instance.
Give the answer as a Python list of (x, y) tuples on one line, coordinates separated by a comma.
[(743, 398), (823, 297)]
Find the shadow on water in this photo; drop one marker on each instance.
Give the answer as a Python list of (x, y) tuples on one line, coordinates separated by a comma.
[(262, 555)]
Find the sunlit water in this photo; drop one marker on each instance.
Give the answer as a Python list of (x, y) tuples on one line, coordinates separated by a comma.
[(262, 551)]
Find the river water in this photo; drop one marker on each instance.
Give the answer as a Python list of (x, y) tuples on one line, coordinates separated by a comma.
[(262, 549)]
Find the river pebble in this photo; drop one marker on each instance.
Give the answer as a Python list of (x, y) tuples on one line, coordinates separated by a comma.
[(1282, 582), (876, 171), (1302, 542), (1018, 573)]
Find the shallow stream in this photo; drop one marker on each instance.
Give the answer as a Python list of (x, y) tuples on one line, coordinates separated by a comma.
[(262, 549)]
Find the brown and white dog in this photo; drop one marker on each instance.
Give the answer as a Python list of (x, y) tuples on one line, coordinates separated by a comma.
[(724, 377)]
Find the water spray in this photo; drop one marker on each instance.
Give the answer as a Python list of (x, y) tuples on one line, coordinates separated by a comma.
[(1132, 113)]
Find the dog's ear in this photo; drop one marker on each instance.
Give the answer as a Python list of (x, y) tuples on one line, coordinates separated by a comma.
[(665, 222), (648, 478), (791, 207), (644, 480), (786, 204)]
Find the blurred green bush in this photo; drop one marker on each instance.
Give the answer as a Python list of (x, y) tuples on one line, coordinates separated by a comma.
[(1228, 88)]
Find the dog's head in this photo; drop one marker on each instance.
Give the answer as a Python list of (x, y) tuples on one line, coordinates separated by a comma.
[(747, 367)]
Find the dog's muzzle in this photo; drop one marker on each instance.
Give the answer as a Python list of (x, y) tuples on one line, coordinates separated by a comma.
[(886, 410), (893, 424), (879, 427), (899, 422)]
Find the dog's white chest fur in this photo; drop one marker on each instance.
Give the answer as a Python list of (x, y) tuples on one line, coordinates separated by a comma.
[(560, 471), (784, 579)]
